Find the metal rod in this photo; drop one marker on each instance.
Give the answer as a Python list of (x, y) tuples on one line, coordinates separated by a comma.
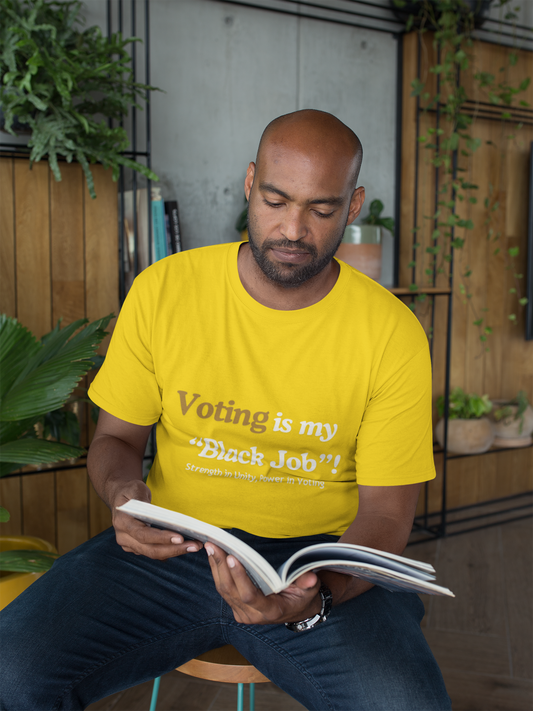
[(334, 21), (148, 139), (415, 201), (351, 13), (398, 159), (489, 451)]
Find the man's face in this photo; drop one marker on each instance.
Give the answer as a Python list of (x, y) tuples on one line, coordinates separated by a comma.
[(298, 210)]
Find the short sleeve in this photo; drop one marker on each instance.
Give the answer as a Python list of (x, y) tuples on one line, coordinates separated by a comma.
[(395, 439), (126, 384)]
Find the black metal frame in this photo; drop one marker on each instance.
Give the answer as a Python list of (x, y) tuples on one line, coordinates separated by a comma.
[(437, 524), (529, 274)]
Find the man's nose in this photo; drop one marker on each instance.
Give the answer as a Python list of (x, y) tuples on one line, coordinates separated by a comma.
[(293, 226)]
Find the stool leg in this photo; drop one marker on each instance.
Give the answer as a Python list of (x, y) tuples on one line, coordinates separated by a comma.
[(155, 692), (240, 697), (252, 696)]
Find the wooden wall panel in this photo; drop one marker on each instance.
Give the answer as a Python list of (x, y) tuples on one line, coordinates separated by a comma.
[(101, 255), (67, 245), (8, 297), (38, 506), (59, 253), (32, 225), (72, 510), (501, 174)]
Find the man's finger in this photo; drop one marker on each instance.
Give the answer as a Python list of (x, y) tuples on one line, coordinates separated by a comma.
[(221, 574)]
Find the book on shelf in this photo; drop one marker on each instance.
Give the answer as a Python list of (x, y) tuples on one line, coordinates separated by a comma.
[(393, 572), (158, 225), (173, 221), (135, 249)]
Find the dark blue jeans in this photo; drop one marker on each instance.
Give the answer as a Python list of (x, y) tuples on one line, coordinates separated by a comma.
[(102, 620)]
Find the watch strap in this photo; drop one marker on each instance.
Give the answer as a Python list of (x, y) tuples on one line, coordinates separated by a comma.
[(322, 616)]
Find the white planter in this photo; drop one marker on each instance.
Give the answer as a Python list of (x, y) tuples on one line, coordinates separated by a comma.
[(466, 436), (509, 432), (361, 248)]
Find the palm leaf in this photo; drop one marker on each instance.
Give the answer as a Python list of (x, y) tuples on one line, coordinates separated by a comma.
[(15, 429), (17, 347), (37, 451), (50, 375), (27, 561)]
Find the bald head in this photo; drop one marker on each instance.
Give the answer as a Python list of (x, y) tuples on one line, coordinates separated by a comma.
[(313, 132)]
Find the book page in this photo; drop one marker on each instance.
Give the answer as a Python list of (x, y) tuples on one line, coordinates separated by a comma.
[(349, 552), (260, 571)]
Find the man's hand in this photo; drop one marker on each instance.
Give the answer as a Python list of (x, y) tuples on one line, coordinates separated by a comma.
[(136, 537), (250, 606), (115, 465)]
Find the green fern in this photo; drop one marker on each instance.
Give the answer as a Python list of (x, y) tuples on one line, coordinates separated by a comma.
[(61, 80)]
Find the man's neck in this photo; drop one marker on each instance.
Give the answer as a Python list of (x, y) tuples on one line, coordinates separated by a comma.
[(273, 295)]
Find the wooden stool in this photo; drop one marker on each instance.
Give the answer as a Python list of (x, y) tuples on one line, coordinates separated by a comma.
[(223, 664)]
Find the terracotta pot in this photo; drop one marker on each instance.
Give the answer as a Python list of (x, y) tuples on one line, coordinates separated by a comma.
[(466, 436), (12, 584), (510, 432), (361, 248)]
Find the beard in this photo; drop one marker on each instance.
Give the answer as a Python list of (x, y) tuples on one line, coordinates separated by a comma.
[(291, 275)]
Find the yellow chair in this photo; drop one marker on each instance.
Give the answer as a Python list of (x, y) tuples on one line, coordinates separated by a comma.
[(223, 664), (12, 584)]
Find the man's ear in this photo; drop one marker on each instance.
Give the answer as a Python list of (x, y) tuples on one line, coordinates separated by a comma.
[(248, 181), (356, 204)]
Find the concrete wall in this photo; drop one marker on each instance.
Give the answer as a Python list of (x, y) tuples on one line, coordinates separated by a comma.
[(228, 71)]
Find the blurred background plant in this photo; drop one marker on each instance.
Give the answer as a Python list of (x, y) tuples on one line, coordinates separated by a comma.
[(36, 424)]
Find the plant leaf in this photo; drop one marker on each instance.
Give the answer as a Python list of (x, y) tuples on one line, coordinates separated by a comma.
[(37, 451), (23, 561)]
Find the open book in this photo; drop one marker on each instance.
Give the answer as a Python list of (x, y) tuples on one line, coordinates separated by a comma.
[(388, 570)]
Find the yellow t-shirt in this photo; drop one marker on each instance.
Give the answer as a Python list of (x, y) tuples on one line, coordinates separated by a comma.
[(268, 419)]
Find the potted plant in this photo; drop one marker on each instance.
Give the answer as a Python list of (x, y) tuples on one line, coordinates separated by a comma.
[(513, 421), (469, 429), (361, 244), (62, 83), (38, 378)]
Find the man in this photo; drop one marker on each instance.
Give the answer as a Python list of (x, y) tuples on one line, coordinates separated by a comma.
[(292, 397)]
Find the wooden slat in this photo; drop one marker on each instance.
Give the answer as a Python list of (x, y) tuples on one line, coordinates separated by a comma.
[(67, 245), (8, 300), (101, 247), (72, 509), (38, 506), (32, 219)]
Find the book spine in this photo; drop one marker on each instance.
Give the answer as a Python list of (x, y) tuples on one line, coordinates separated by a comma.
[(171, 209), (168, 234), (158, 221)]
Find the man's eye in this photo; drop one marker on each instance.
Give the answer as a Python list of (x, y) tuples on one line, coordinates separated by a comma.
[(273, 204), (322, 214)]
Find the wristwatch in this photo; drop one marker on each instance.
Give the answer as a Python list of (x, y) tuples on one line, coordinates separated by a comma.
[(322, 616)]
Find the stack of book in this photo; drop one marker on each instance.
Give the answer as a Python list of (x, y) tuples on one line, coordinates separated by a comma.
[(166, 236)]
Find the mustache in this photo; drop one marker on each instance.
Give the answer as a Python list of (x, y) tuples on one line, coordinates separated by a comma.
[(289, 246)]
